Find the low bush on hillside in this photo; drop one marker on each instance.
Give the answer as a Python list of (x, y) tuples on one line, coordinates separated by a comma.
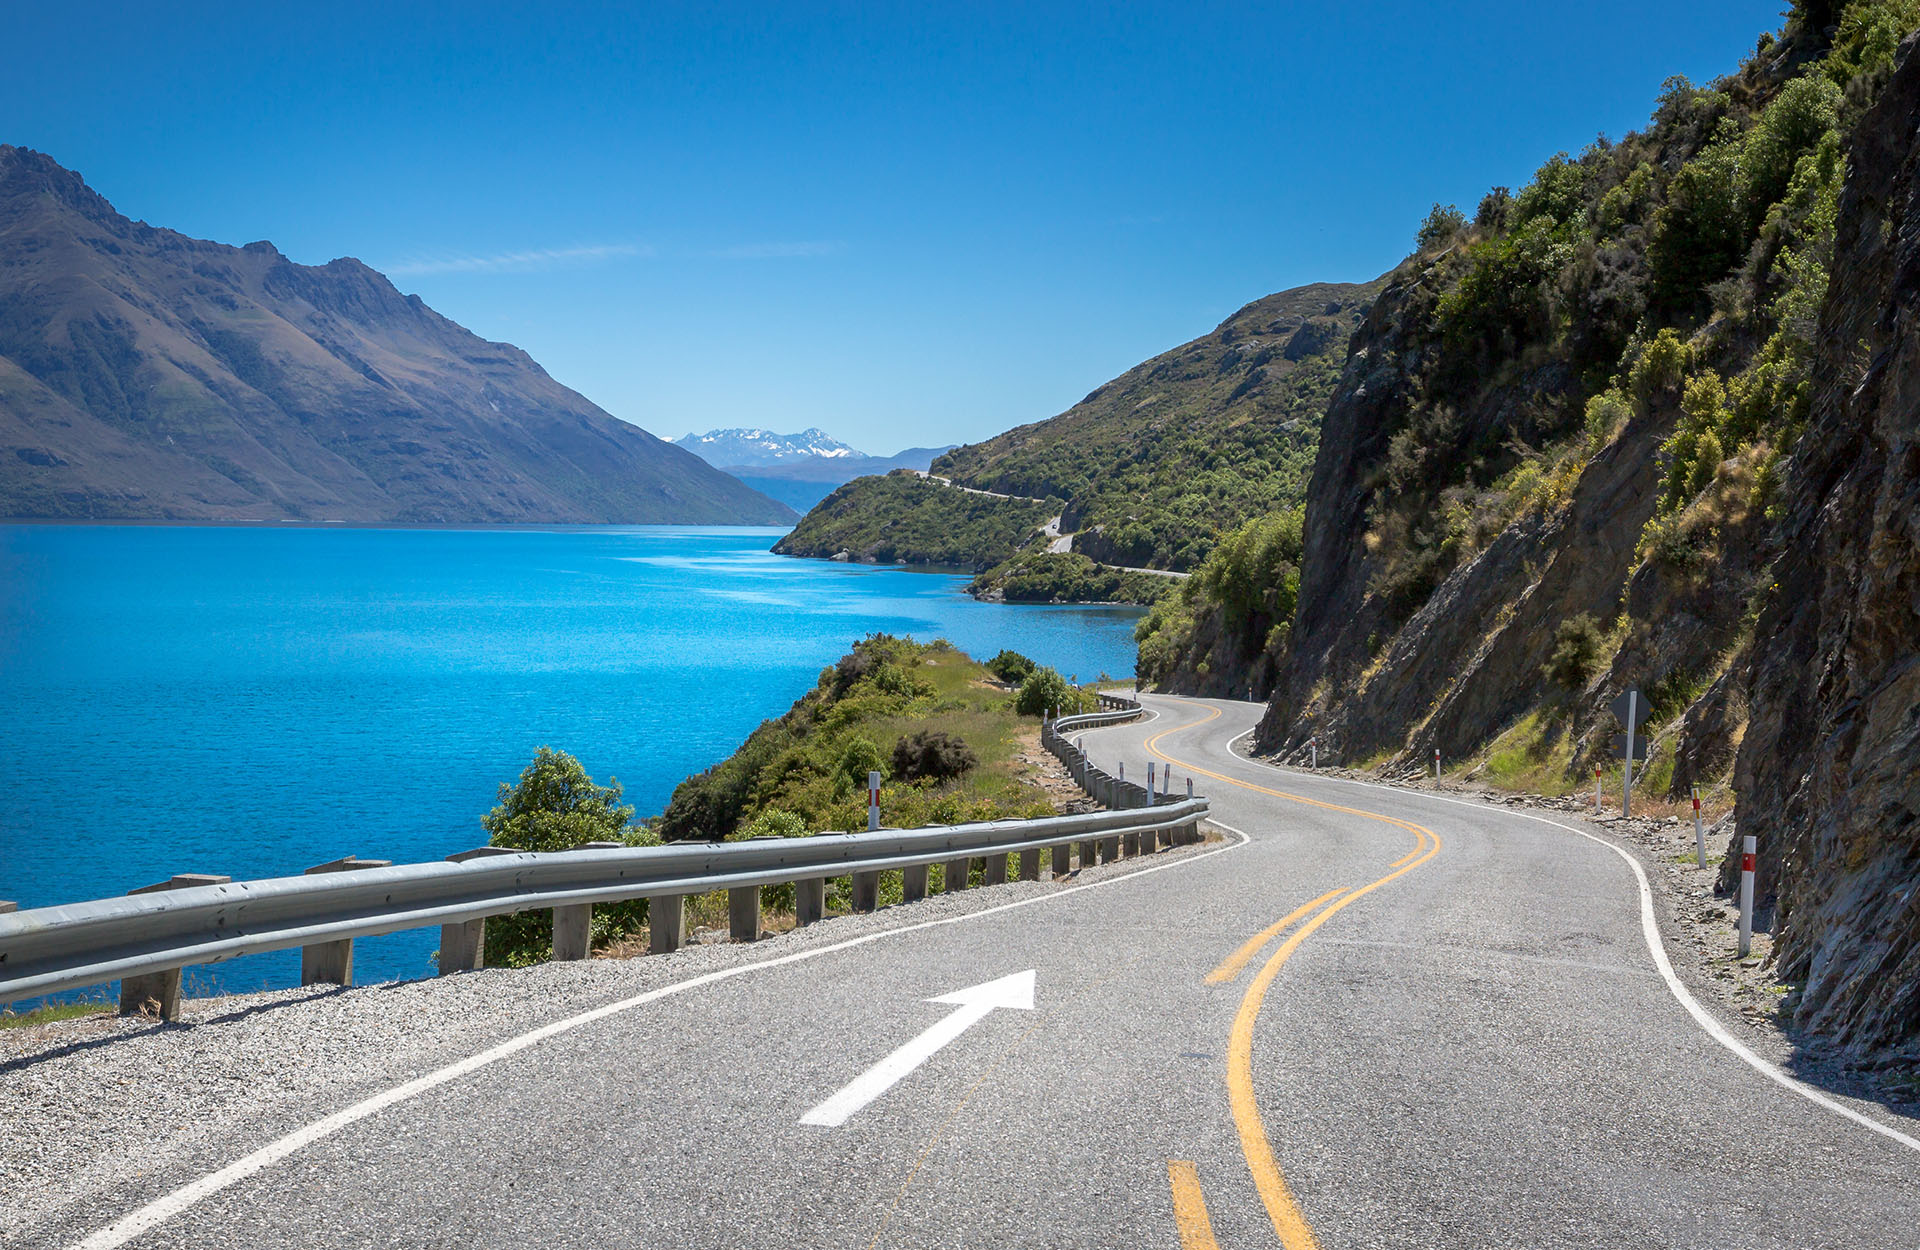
[(932, 755), (1046, 693), (1011, 667), (1578, 647)]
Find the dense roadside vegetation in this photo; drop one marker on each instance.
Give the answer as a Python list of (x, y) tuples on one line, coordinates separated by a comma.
[(1229, 622)]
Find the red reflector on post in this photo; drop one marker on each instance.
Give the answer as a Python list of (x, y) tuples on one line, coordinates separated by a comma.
[(1746, 863)]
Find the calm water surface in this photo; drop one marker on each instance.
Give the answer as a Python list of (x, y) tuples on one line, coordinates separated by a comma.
[(254, 701)]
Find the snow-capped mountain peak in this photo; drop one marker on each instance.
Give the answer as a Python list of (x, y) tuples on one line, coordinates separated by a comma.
[(756, 447)]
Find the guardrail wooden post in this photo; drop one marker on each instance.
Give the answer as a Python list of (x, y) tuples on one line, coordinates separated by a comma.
[(997, 868), (666, 923), (1062, 860), (959, 874), (158, 993), (913, 883), (1149, 841), (743, 913), (573, 922), (866, 891), (809, 900), (1110, 849), (1089, 853), (463, 946), (332, 962), (1030, 864)]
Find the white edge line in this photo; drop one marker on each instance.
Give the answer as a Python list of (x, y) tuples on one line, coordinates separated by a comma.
[(164, 1208), (1650, 931)]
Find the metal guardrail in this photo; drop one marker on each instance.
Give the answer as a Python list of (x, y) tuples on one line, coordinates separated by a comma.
[(1111, 790), (145, 938)]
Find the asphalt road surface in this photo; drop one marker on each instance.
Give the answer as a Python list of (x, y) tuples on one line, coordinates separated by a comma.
[(1365, 1018)]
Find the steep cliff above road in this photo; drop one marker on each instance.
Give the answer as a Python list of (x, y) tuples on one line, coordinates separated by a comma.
[(1829, 772), (1547, 471), (147, 375), (1649, 424)]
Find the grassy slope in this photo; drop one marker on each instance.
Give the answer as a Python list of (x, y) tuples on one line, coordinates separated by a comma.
[(806, 770)]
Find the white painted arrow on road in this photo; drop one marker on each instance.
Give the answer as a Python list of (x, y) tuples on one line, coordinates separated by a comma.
[(974, 1005)]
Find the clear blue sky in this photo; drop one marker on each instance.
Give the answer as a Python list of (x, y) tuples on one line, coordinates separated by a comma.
[(905, 224)]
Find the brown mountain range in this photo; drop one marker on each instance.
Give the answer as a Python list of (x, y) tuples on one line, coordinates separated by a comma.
[(147, 375)]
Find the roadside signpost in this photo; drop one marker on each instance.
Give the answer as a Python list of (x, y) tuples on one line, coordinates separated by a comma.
[(1630, 710)]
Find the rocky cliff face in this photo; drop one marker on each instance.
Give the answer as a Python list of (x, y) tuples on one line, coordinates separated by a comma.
[(144, 374), (1829, 771), (1733, 528)]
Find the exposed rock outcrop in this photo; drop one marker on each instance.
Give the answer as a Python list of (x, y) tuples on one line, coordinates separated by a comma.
[(1829, 772)]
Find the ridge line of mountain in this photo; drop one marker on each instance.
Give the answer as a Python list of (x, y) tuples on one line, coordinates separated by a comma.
[(147, 375)]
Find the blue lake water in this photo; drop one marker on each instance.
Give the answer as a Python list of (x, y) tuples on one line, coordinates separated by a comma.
[(255, 701)]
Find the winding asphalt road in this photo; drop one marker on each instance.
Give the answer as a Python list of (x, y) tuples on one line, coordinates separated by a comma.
[(1365, 1018)]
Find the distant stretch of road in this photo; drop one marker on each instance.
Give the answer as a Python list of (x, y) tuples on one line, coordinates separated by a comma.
[(1365, 1018)]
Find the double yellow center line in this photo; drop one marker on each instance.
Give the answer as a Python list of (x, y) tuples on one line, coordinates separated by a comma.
[(1289, 1223)]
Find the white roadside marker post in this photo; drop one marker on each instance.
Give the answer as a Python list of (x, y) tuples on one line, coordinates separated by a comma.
[(873, 801), (1189, 788), (1747, 847), (1699, 832), (1436, 766), (1150, 783), (1626, 785), (1596, 789), (1313, 754)]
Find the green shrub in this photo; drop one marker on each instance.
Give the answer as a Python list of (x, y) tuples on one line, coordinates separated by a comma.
[(1046, 691), (774, 822), (1443, 224), (858, 757), (555, 806), (932, 755), (1606, 413), (1011, 667), (1699, 235), (1659, 370), (1577, 647)]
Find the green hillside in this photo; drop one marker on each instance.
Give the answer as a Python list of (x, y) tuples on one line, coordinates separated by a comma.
[(1149, 471)]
